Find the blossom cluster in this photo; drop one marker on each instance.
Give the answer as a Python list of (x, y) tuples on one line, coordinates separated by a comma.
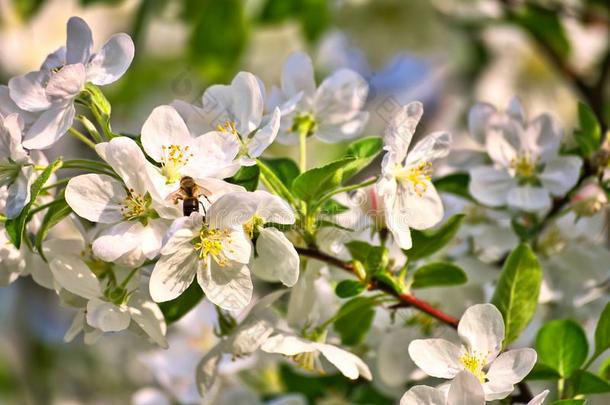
[(170, 215)]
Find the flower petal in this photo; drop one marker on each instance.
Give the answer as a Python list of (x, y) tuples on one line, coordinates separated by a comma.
[(28, 92), (539, 399), (490, 186), (529, 198), (67, 83), (128, 160), (478, 120), (432, 147), (423, 395), (71, 273), (112, 61), (436, 357), (340, 97), (96, 197), (399, 132), (348, 364), (560, 174), (298, 75), (247, 102), (49, 127), (229, 287), (106, 316), (164, 127), (481, 328), (79, 42), (277, 259), (512, 366), (149, 317), (465, 389), (265, 136), (173, 273)]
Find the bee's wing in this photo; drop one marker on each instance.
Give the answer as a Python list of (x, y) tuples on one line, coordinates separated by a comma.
[(200, 191), (176, 196)]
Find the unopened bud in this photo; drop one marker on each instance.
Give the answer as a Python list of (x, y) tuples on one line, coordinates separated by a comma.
[(589, 199)]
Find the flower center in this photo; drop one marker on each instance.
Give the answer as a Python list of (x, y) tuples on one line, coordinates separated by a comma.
[(251, 225), (227, 127), (474, 363), (524, 165), (419, 176), (211, 242), (174, 158), (309, 361), (135, 206), (304, 123)]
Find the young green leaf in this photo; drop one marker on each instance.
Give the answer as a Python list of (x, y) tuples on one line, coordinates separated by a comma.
[(438, 274), (430, 241), (543, 372), (589, 135), (586, 383), (349, 288), (456, 183), (55, 213), (602, 331), (364, 150), (516, 295), (333, 207), (312, 184), (562, 345), (175, 309), (15, 227), (374, 258), (354, 320), (285, 169), (569, 402)]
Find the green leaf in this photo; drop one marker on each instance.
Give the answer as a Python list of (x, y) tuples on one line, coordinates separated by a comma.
[(602, 331), (312, 184), (15, 227), (589, 135), (246, 177), (604, 369), (516, 294), (349, 288), (374, 258), (431, 241), (285, 169), (562, 345), (333, 207), (175, 309), (569, 402), (55, 213), (270, 179), (543, 372), (354, 320), (438, 274), (364, 150), (456, 183), (586, 383)]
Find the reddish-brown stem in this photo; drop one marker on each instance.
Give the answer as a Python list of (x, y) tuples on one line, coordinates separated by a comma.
[(404, 298)]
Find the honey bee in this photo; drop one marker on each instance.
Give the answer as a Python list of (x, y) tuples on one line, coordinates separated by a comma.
[(189, 192)]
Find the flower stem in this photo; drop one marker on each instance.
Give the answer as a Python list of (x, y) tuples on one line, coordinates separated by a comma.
[(81, 137), (303, 150)]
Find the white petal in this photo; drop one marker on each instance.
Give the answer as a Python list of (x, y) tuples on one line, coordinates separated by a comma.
[(340, 97), (277, 258), (481, 328), (497, 390), (149, 317), (414, 211), (106, 316), (207, 369), (128, 160), (8, 106), (164, 127), (229, 287), (287, 345), (399, 132), (436, 357), (560, 174), (150, 396), (49, 127), (512, 366), (515, 110), (79, 42), (272, 208), (393, 362), (76, 327), (298, 75), (71, 273), (423, 395), (96, 197), (478, 120), (247, 102), (465, 389), (265, 136), (539, 399), (490, 186), (112, 61), (432, 147), (173, 273), (343, 131), (529, 198), (348, 364), (543, 136), (67, 83), (237, 247), (119, 240), (250, 335), (19, 192), (28, 92), (231, 210), (500, 145)]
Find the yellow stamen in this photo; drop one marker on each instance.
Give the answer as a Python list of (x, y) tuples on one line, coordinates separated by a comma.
[(212, 242), (419, 176), (308, 361), (174, 158), (252, 224), (134, 206), (474, 363), (228, 127), (524, 165)]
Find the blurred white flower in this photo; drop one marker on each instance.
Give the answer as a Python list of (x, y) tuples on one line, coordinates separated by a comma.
[(52, 90), (332, 112), (589, 199), (481, 330), (214, 248), (527, 168), (235, 110), (465, 389), (409, 197)]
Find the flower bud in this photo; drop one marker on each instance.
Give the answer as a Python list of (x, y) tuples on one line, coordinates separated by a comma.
[(589, 199), (372, 205)]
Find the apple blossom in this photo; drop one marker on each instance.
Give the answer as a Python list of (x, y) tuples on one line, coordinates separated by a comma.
[(51, 91), (465, 389), (481, 331), (409, 197)]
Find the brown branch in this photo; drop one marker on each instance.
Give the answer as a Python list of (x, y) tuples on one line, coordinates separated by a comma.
[(406, 300)]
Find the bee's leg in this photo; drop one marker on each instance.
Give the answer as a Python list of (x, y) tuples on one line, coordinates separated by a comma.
[(203, 206)]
